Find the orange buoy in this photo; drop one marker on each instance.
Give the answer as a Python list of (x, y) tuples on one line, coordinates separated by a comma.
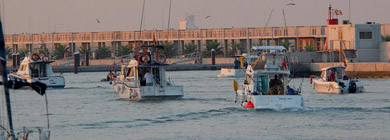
[(249, 105)]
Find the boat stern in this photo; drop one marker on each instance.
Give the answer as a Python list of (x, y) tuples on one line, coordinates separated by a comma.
[(276, 102)]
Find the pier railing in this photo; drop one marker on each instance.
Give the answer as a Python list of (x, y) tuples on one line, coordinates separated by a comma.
[(170, 35)]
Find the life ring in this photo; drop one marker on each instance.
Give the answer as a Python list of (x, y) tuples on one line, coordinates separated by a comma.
[(161, 58), (137, 49), (35, 57), (142, 59), (45, 58)]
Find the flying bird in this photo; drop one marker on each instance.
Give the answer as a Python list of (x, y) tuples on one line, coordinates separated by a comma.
[(207, 17), (292, 4), (97, 20)]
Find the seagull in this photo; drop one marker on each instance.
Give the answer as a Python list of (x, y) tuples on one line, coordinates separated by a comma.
[(97, 20), (292, 4), (207, 17)]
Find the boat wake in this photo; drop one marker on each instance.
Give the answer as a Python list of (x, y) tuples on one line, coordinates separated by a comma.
[(379, 109), (159, 120)]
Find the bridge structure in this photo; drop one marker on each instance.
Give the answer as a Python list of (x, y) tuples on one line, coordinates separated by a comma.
[(298, 38)]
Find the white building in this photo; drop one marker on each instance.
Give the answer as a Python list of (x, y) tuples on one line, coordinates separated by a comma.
[(361, 42), (188, 23)]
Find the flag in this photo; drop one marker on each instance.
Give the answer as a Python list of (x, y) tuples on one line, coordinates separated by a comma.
[(154, 40), (284, 63)]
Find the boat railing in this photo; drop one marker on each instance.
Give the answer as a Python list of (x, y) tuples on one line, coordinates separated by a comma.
[(187, 58)]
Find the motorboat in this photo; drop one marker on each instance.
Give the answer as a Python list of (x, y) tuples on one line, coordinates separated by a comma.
[(268, 88), (236, 71), (334, 81), (38, 69), (131, 84)]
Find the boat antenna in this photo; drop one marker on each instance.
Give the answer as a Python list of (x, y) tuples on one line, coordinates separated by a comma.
[(169, 17), (5, 79), (266, 24), (284, 17), (142, 19)]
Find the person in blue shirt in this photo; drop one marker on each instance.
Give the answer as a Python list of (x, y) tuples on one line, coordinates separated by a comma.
[(290, 91), (236, 64)]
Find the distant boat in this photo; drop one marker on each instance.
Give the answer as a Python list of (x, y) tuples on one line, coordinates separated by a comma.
[(236, 71), (269, 88), (38, 69), (334, 81), (130, 83)]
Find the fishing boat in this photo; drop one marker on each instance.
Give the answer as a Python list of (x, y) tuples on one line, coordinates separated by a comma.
[(35, 68), (7, 131), (237, 71), (334, 81), (144, 78), (269, 88)]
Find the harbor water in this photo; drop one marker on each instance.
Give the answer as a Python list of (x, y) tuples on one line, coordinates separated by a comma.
[(89, 109)]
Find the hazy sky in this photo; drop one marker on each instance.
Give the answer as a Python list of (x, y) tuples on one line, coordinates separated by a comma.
[(39, 16)]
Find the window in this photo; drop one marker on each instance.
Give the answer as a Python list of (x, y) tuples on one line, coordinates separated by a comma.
[(313, 32), (365, 35), (322, 31), (38, 70)]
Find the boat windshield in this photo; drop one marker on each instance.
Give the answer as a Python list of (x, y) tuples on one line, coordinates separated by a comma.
[(38, 70)]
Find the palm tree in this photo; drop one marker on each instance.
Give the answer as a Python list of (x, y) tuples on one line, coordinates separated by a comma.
[(59, 51), (44, 51), (310, 48), (286, 44), (23, 53), (190, 48), (386, 38), (169, 50), (85, 50), (103, 52), (212, 45), (124, 50), (234, 48)]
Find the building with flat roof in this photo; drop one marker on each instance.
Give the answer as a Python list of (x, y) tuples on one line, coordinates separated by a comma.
[(298, 38)]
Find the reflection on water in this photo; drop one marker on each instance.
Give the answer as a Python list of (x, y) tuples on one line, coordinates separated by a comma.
[(89, 109)]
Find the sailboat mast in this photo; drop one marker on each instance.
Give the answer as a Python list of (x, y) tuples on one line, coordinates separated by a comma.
[(5, 80)]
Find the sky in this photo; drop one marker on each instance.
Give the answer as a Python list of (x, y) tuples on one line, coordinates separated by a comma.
[(38, 16)]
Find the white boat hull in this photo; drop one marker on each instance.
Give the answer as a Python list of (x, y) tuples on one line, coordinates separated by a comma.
[(275, 102), (51, 82), (334, 88), (148, 92), (230, 72)]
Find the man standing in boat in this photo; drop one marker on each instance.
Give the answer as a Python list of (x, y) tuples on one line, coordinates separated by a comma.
[(149, 78), (236, 63)]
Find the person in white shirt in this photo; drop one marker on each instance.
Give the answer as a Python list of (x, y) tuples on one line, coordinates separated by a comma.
[(149, 78)]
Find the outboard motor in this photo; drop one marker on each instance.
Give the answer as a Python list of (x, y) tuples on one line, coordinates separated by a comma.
[(352, 87)]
